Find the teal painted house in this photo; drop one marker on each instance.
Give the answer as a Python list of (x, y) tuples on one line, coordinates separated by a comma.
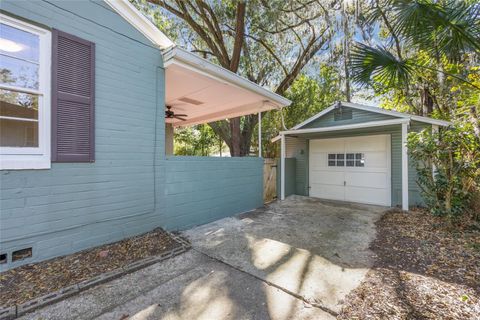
[(354, 153), (85, 139)]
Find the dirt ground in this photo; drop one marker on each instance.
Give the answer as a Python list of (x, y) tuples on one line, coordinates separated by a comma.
[(34, 280), (425, 269)]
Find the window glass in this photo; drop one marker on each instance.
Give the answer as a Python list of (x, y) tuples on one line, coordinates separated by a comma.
[(18, 119), (340, 163), (19, 44), (359, 160), (19, 68), (331, 159), (19, 73)]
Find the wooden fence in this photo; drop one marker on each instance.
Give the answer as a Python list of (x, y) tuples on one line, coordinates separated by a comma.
[(269, 180)]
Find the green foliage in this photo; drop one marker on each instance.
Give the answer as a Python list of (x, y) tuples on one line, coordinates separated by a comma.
[(379, 65), (199, 140), (309, 95), (454, 152)]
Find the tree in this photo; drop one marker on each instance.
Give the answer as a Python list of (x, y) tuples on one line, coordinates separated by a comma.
[(199, 140), (448, 166), (443, 42), (268, 42), (309, 95)]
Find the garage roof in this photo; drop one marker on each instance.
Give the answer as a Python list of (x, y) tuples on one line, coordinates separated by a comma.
[(402, 117)]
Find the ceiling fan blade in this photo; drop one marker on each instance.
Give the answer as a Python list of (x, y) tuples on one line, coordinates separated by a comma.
[(181, 115), (179, 118)]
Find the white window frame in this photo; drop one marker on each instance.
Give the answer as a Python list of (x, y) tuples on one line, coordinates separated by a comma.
[(12, 158)]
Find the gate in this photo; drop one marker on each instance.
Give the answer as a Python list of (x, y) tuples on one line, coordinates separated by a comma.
[(269, 180)]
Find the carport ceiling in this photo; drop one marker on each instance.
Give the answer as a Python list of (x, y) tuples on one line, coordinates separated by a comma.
[(206, 92)]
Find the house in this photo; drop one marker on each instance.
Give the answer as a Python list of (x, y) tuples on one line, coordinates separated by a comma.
[(352, 152), (85, 146)]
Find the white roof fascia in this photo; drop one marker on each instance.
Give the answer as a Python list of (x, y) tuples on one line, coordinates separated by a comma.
[(128, 11), (430, 121), (347, 127), (195, 63)]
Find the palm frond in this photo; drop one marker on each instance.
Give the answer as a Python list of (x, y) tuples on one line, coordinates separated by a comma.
[(369, 65), (450, 28)]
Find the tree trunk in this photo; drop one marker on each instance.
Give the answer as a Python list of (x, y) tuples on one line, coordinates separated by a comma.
[(235, 149)]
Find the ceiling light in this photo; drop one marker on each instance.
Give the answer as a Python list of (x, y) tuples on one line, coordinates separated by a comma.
[(10, 46)]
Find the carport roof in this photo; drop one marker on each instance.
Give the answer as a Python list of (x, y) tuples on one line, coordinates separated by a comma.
[(400, 118), (201, 90)]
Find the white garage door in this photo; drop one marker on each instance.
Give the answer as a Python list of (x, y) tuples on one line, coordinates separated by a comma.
[(355, 169)]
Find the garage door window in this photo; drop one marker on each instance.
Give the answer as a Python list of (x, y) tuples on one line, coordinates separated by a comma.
[(359, 160), (348, 159)]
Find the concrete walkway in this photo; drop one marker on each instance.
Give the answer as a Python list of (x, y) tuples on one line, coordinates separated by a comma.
[(295, 259)]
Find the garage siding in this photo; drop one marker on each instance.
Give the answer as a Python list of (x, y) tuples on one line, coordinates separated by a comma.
[(298, 148), (414, 191), (358, 116)]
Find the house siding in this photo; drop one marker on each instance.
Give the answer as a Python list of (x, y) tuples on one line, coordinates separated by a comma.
[(132, 187), (74, 206)]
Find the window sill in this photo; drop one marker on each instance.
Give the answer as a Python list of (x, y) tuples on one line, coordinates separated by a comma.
[(30, 162)]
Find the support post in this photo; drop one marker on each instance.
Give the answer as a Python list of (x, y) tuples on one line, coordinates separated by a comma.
[(260, 134), (404, 167), (282, 168), (434, 168)]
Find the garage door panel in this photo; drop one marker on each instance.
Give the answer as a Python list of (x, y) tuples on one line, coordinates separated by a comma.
[(369, 143), (328, 177), (376, 180), (375, 159), (334, 145), (327, 191), (319, 159), (367, 195), (368, 184)]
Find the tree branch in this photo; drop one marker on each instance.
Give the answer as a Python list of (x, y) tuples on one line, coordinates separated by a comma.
[(239, 36)]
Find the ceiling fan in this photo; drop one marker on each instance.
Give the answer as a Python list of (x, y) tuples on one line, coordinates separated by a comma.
[(169, 114)]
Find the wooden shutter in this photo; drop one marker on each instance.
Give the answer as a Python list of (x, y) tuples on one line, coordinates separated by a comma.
[(73, 98)]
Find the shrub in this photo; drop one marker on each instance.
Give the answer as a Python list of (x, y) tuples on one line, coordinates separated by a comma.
[(448, 167)]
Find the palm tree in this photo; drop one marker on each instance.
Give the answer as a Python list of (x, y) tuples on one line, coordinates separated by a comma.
[(440, 30)]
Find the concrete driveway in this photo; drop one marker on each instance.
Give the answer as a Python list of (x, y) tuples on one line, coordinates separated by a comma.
[(295, 259)]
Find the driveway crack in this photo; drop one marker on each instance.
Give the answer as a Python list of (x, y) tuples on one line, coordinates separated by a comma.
[(271, 284)]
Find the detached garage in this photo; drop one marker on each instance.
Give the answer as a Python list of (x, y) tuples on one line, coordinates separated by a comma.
[(354, 153)]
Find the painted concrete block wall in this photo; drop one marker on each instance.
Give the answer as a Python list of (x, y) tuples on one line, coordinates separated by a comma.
[(74, 206), (199, 190)]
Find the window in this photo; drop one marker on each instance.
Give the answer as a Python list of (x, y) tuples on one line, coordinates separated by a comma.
[(359, 160), (25, 56), (348, 159)]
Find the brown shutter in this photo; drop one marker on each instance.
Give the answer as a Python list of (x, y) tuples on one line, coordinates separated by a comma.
[(73, 98)]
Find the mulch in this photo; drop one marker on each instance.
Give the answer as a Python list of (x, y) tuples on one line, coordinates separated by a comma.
[(34, 280), (425, 269)]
